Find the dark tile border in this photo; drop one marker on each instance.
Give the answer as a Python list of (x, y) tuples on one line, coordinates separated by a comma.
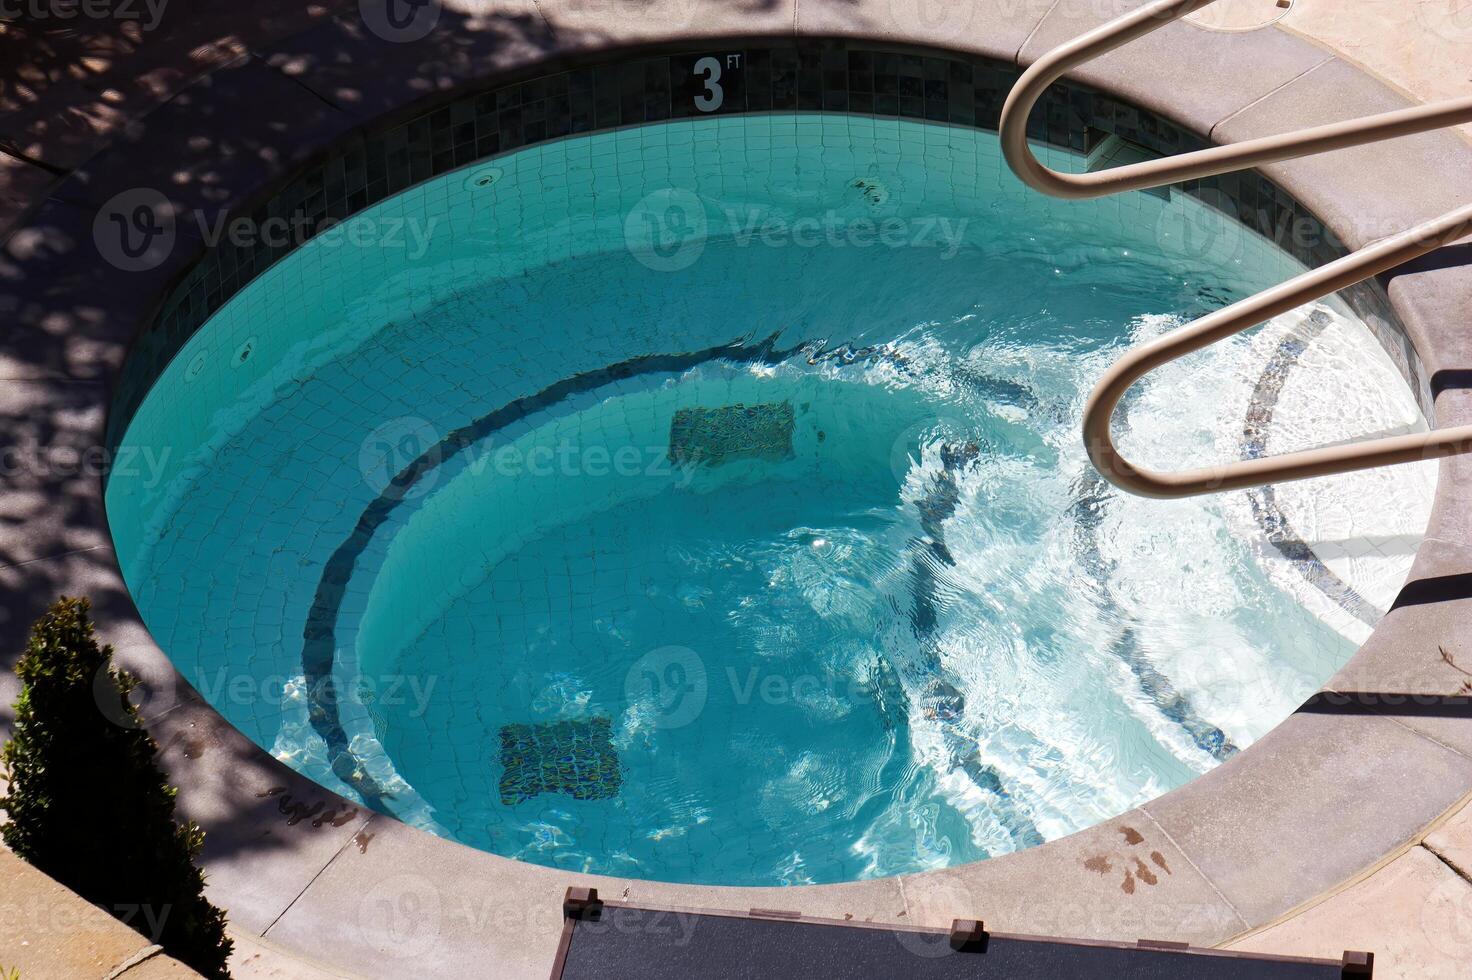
[(1275, 526)]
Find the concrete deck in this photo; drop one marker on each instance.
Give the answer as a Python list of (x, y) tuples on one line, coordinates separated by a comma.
[(47, 931), (1334, 831)]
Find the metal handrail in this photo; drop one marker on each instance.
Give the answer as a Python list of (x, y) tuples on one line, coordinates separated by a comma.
[(1316, 284)]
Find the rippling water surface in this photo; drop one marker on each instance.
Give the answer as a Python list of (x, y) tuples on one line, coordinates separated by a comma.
[(657, 541)]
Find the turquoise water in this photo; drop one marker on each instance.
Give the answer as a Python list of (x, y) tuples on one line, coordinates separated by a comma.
[(704, 502)]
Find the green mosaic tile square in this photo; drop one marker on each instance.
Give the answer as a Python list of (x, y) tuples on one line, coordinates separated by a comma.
[(575, 758), (720, 435)]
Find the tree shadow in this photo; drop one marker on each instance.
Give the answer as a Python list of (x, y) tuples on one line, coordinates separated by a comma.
[(1436, 588), (1456, 256), (148, 102), (69, 83), (1391, 703)]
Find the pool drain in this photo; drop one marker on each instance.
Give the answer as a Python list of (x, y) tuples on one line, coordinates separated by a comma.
[(873, 190), (196, 365), (243, 352), (483, 177)]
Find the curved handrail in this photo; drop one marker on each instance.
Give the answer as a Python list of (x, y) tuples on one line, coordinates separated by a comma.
[(1316, 284)]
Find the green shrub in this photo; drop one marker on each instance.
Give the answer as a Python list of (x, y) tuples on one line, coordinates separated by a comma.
[(87, 802)]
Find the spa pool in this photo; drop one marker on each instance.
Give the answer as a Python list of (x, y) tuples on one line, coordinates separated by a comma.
[(704, 502)]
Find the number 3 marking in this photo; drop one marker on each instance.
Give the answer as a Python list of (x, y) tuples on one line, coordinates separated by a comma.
[(714, 95)]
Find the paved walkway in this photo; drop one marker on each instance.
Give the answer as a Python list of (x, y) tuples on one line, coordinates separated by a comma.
[(1421, 47), (47, 931), (1414, 910)]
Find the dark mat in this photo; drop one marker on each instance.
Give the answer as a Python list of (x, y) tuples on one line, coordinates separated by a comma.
[(623, 943)]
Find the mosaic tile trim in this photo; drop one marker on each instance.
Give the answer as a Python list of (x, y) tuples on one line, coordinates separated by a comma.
[(1264, 500), (778, 76), (1369, 302), (731, 432), (574, 758), (1087, 511)]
